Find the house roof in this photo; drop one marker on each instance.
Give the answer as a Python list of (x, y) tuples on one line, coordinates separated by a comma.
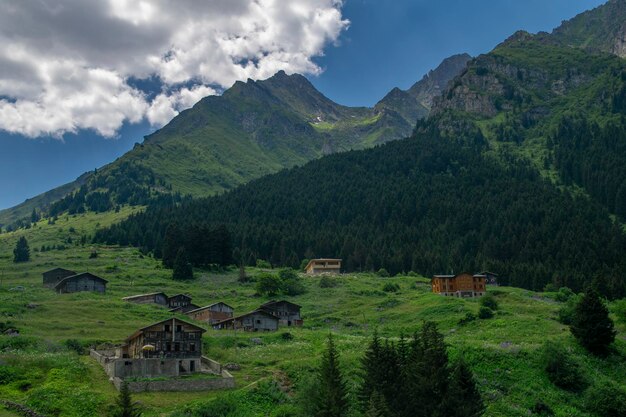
[(209, 306), (462, 273), (138, 332), (130, 297), (181, 295), (488, 273), (274, 302), (73, 277), (258, 311), (322, 260), (59, 270)]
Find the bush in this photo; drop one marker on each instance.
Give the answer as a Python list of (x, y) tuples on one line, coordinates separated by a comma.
[(260, 263), (550, 287), (286, 336), (566, 312), (328, 282), (485, 313), (75, 345), (268, 284), (564, 294), (541, 409), (303, 264), (489, 301), (606, 400), (562, 369), (383, 273), (391, 287), (619, 308), (469, 317)]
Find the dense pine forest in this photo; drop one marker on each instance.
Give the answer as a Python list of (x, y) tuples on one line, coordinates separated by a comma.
[(426, 204)]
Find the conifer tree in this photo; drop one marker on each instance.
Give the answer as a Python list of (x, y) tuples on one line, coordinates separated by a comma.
[(463, 398), (591, 324), (125, 405), (331, 395), (182, 267), (21, 253), (370, 365), (377, 406), (171, 244)]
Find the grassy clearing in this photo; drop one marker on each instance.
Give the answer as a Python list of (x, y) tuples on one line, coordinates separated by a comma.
[(502, 351)]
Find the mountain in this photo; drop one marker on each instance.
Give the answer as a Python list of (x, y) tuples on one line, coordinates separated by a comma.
[(520, 167), (253, 129)]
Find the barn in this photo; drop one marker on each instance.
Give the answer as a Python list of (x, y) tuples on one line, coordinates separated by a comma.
[(53, 276), (81, 282)]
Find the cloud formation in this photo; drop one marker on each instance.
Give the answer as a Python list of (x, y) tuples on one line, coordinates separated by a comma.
[(65, 65)]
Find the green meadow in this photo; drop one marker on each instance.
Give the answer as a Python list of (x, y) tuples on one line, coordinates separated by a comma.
[(37, 368)]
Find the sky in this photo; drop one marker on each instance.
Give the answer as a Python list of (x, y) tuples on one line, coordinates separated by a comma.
[(81, 81)]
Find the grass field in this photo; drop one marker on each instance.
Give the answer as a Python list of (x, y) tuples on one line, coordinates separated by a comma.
[(42, 373)]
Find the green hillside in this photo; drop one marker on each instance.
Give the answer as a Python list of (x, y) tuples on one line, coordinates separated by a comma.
[(253, 129), (503, 352)]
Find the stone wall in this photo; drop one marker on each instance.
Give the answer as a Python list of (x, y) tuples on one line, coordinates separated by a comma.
[(225, 382)]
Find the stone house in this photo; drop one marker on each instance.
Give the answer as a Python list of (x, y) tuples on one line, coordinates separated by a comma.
[(461, 285), (212, 313), (53, 276), (257, 320), (152, 298), (287, 312), (81, 282), (323, 266)]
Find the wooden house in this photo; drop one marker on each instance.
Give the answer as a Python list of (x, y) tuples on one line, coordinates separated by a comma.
[(323, 266), (81, 282), (288, 313), (212, 313), (460, 285), (181, 303), (53, 276), (166, 340), (152, 298), (257, 320), (491, 278)]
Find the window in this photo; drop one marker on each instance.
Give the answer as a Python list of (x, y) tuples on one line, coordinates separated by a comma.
[(258, 322), (176, 347), (192, 347), (128, 363), (167, 327), (179, 328)]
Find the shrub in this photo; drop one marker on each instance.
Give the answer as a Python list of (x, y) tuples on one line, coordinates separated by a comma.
[(303, 264), (591, 324), (328, 282), (485, 313), (75, 345), (562, 369), (606, 400), (260, 263), (620, 310), (541, 409), (469, 317), (391, 287), (489, 301), (566, 312), (382, 272), (564, 294), (268, 284), (286, 336), (93, 254)]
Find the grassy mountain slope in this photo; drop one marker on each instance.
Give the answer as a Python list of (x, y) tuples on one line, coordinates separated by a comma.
[(254, 128), (503, 352)]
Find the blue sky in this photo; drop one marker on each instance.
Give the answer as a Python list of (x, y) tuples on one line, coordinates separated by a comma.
[(388, 44)]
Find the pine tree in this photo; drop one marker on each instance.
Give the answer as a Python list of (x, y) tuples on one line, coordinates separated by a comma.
[(182, 267), (591, 324), (125, 406), (21, 253), (171, 244), (377, 406), (463, 398), (34, 216), (371, 368), (331, 396)]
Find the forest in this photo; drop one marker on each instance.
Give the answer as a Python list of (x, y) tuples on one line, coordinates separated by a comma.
[(426, 204)]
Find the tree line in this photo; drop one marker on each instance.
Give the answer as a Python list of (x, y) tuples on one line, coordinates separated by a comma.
[(427, 204)]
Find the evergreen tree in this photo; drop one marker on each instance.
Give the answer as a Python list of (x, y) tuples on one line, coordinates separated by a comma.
[(21, 253), (370, 365), (125, 405), (591, 324), (331, 395), (34, 216), (182, 267), (171, 244), (463, 398), (377, 406)]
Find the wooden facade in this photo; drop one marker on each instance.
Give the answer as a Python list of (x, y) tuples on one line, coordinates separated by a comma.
[(288, 313), (181, 303), (323, 266), (258, 320), (171, 338), (460, 285), (152, 298), (52, 277), (81, 282), (212, 313)]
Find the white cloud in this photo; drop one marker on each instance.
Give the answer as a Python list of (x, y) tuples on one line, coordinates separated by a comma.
[(65, 64)]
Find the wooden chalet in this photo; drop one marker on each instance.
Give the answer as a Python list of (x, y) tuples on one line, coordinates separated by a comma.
[(323, 266), (81, 282), (461, 285), (181, 303), (257, 320), (53, 276), (287, 312), (159, 298), (491, 278), (212, 313)]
